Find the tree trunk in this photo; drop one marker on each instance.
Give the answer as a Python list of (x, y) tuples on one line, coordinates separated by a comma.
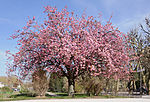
[(116, 87), (71, 86), (118, 83), (149, 88), (149, 84), (106, 89)]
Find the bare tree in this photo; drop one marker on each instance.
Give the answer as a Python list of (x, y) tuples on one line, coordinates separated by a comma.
[(40, 82), (139, 40)]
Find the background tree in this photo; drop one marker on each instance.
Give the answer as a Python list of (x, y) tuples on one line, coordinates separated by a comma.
[(40, 82), (146, 54), (56, 83), (92, 85), (139, 41), (71, 46)]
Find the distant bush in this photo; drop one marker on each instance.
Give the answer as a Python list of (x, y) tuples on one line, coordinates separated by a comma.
[(90, 85), (57, 84), (6, 90), (94, 86), (24, 91)]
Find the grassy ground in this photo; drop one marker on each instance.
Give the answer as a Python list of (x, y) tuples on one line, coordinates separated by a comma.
[(59, 96)]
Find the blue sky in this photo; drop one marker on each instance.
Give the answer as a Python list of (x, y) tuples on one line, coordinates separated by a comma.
[(14, 13)]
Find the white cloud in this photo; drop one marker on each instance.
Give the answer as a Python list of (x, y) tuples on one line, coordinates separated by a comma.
[(2, 60), (2, 63), (87, 5), (131, 23), (109, 3), (4, 20), (2, 55)]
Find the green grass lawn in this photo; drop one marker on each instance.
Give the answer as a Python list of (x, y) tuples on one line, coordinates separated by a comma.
[(59, 96)]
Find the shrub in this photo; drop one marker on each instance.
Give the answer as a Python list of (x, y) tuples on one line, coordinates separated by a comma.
[(24, 91), (94, 86), (6, 89), (5, 92), (40, 83), (56, 83)]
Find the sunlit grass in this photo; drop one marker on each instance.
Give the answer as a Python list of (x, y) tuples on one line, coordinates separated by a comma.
[(58, 96)]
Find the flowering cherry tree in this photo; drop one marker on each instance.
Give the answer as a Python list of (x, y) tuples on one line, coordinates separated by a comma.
[(70, 46)]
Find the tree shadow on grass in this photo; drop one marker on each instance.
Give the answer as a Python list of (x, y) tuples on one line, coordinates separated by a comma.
[(23, 95)]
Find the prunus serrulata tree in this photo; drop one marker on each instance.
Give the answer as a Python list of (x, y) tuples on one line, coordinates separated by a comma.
[(71, 46)]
